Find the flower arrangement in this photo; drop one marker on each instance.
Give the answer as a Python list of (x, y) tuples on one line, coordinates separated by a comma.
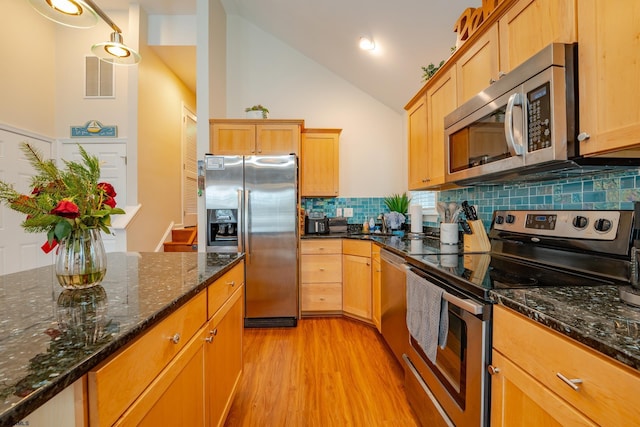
[(63, 201), (264, 111)]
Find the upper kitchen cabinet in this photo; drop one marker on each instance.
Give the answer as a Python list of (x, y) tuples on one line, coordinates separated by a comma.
[(609, 66), (426, 131), (319, 163), (521, 30), (417, 130), (255, 137)]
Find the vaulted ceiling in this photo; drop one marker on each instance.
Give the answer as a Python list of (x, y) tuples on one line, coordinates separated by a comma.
[(409, 33)]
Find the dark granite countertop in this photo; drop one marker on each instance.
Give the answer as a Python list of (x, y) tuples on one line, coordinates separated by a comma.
[(43, 349), (592, 315)]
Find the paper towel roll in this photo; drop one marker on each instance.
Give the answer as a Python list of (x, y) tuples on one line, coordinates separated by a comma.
[(415, 211)]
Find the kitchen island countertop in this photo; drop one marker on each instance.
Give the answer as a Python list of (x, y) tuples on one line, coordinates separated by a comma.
[(43, 350)]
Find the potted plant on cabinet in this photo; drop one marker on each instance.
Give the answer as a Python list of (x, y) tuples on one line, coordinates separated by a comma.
[(257, 112)]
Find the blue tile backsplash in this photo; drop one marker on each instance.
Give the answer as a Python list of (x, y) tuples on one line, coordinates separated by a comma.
[(613, 190)]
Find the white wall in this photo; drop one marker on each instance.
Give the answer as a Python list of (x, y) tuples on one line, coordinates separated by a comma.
[(263, 70)]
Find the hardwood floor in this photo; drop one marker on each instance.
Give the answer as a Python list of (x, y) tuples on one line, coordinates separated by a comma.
[(324, 372)]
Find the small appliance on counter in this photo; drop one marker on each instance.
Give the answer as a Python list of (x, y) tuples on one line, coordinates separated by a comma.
[(316, 223), (338, 225)]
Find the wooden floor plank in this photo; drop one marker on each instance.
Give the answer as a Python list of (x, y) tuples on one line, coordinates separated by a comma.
[(324, 372)]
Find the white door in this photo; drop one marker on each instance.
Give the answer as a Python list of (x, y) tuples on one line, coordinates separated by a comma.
[(19, 250), (189, 169)]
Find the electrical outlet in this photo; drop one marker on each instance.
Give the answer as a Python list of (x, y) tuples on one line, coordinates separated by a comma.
[(338, 211), (348, 212)]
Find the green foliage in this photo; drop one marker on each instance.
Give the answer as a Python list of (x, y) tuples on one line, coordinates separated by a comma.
[(398, 203), (62, 200)]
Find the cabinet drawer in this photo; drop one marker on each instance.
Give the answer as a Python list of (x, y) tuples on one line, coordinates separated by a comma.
[(321, 246), (321, 269), (357, 248), (221, 289), (321, 297), (608, 392), (116, 383)]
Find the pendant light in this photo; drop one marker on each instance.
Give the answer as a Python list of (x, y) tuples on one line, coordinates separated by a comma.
[(84, 14), (72, 13)]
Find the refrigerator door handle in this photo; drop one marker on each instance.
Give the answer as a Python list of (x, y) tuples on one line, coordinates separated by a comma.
[(247, 222), (240, 229)]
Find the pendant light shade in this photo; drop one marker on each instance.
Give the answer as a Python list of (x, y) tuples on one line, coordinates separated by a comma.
[(116, 51), (72, 13)]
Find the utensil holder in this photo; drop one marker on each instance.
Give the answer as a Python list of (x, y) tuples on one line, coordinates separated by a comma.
[(477, 241)]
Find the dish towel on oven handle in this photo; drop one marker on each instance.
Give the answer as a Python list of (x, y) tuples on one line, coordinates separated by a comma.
[(427, 314)]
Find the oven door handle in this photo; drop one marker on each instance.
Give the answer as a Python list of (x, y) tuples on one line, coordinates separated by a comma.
[(464, 303)]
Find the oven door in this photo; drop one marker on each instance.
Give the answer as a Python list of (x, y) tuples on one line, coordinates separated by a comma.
[(453, 390)]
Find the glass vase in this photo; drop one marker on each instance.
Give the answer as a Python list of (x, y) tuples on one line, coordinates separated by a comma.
[(82, 315), (81, 261)]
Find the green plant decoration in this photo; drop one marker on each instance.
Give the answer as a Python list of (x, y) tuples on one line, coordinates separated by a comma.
[(398, 203)]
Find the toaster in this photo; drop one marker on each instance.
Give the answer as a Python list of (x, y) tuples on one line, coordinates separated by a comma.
[(316, 225)]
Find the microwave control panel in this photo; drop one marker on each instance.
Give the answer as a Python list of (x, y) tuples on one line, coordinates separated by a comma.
[(539, 117)]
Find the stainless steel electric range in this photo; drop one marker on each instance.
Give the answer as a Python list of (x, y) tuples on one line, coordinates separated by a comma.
[(533, 248)]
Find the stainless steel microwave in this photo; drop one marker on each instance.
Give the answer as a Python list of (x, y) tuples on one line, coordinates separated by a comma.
[(525, 122)]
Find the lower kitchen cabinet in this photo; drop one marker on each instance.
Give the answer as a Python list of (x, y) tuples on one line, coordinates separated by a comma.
[(183, 371), (321, 276), (356, 279), (376, 286), (223, 358), (541, 377)]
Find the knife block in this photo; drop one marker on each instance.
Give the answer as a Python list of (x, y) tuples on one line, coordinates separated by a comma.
[(477, 241)]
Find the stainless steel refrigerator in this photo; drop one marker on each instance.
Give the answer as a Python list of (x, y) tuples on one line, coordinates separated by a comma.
[(251, 204)]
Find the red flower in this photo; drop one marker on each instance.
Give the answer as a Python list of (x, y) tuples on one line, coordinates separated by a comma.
[(108, 189), (67, 209), (110, 201)]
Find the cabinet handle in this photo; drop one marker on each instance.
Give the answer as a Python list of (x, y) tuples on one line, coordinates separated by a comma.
[(213, 332), (175, 338), (493, 370), (322, 269), (231, 283), (209, 340), (492, 81), (583, 136), (571, 382), (501, 74), (426, 180)]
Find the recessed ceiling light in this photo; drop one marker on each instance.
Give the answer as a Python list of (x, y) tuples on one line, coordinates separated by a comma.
[(367, 44)]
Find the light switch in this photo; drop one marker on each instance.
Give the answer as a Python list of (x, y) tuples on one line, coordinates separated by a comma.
[(348, 212)]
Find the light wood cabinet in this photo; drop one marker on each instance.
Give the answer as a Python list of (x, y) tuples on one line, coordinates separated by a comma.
[(223, 357), (527, 389), (356, 279), (479, 66), (441, 100), (418, 148), (524, 29), (254, 137), (376, 286), (183, 371), (321, 276), (609, 66), (319, 163)]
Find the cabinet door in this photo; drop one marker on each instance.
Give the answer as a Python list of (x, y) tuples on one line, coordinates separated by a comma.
[(609, 66), (518, 399), (277, 139), (477, 68), (176, 397), (223, 358), (356, 286), (418, 155), (441, 100), (376, 284), (233, 139), (530, 25), (319, 164)]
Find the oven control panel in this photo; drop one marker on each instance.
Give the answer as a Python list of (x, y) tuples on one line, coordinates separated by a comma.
[(598, 225)]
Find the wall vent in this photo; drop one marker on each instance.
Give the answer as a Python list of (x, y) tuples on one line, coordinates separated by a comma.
[(99, 78)]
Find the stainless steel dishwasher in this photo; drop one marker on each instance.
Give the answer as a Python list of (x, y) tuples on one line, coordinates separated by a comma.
[(393, 301)]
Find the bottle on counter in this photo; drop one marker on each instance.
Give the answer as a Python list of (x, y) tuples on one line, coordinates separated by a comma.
[(365, 227)]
